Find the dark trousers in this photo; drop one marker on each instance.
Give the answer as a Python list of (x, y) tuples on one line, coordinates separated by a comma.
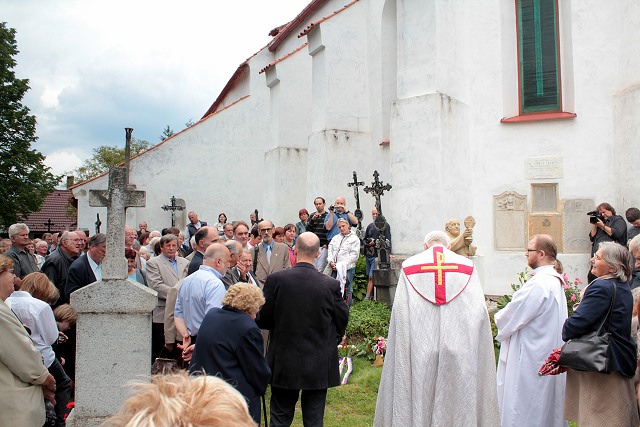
[(63, 391), (157, 340), (283, 406)]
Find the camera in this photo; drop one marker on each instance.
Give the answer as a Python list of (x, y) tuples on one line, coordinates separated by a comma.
[(594, 216), (331, 208)]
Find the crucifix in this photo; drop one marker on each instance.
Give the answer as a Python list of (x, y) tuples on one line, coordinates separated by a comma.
[(356, 193), (98, 223), (377, 190), (116, 199), (49, 224), (173, 207)]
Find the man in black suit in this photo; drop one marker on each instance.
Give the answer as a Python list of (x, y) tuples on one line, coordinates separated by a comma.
[(82, 272), (205, 236), (306, 316), (88, 268)]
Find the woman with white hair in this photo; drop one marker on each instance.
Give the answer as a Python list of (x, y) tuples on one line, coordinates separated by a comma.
[(594, 398)]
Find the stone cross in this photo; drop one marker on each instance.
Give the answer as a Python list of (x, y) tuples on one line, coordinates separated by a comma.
[(114, 318), (116, 199), (377, 190)]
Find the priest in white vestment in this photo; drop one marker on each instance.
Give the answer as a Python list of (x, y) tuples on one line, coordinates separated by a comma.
[(529, 329), (439, 369)]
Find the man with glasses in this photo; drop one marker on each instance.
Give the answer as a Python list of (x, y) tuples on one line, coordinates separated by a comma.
[(269, 256), (56, 266), (529, 329), (23, 262)]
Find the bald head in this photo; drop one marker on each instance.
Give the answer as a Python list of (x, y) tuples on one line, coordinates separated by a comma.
[(217, 257), (307, 247)]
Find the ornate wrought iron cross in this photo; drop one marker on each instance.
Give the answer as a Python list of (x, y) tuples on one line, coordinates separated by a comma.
[(356, 193), (98, 223), (377, 189), (49, 224), (173, 208)]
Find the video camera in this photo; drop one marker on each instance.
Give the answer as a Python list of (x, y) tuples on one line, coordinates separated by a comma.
[(594, 216)]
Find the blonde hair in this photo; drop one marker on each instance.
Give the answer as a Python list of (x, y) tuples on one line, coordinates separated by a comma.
[(40, 287), (178, 400), (65, 313), (244, 297), (6, 263)]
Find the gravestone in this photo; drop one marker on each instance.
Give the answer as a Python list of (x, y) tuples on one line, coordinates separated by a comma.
[(576, 225), (510, 221), (114, 318)]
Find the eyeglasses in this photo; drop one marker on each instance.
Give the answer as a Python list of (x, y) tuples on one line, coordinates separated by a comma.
[(262, 230)]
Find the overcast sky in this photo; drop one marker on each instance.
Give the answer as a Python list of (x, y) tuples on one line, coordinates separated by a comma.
[(98, 66)]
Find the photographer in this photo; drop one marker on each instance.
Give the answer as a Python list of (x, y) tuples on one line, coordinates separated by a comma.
[(606, 227), (336, 211)]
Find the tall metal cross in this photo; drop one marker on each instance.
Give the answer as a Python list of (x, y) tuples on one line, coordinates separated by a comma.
[(49, 224), (98, 223), (356, 193), (377, 190), (127, 152), (116, 199), (173, 208)]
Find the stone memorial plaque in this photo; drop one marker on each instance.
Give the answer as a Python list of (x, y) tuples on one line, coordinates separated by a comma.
[(550, 224), (576, 225), (510, 221), (543, 168)]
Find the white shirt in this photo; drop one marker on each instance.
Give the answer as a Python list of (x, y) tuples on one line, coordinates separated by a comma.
[(37, 316), (96, 268)]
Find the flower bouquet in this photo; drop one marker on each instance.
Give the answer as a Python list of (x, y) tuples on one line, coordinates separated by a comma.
[(345, 352)]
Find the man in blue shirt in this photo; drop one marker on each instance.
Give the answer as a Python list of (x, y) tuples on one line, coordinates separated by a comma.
[(200, 292), (337, 211)]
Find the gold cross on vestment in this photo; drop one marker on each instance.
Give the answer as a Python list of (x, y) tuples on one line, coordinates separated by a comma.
[(439, 267)]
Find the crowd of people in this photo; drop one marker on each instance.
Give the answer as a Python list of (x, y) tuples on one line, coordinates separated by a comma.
[(204, 275), (256, 304)]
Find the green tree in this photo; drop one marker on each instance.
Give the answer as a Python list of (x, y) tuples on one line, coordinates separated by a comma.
[(25, 181), (166, 133), (105, 157)]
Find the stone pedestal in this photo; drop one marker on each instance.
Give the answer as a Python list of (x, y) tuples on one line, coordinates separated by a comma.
[(385, 282), (114, 346)]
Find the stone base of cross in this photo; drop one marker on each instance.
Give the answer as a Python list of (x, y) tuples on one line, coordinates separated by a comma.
[(114, 318)]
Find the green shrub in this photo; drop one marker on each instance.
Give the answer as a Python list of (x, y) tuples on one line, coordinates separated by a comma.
[(360, 279), (367, 319)]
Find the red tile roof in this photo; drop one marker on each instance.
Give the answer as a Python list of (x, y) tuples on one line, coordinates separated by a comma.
[(54, 209), (291, 26), (310, 26), (271, 64)]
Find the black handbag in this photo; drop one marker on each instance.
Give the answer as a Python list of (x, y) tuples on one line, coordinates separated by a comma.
[(590, 352)]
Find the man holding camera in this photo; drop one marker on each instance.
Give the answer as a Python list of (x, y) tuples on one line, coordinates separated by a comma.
[(336, 211), (606, 226)]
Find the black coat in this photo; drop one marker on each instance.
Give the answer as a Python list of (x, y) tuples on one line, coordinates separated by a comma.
[(230, 346), (592, 310), (56, 267), (80, 275), (195, 263), (307, 317)]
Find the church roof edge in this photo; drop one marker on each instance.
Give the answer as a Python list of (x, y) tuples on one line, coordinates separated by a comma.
[(285, 32)]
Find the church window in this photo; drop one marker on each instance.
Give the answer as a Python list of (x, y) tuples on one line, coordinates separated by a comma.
[(538, 52)]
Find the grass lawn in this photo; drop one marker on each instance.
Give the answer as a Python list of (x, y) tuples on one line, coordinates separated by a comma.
[(353, 404)]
